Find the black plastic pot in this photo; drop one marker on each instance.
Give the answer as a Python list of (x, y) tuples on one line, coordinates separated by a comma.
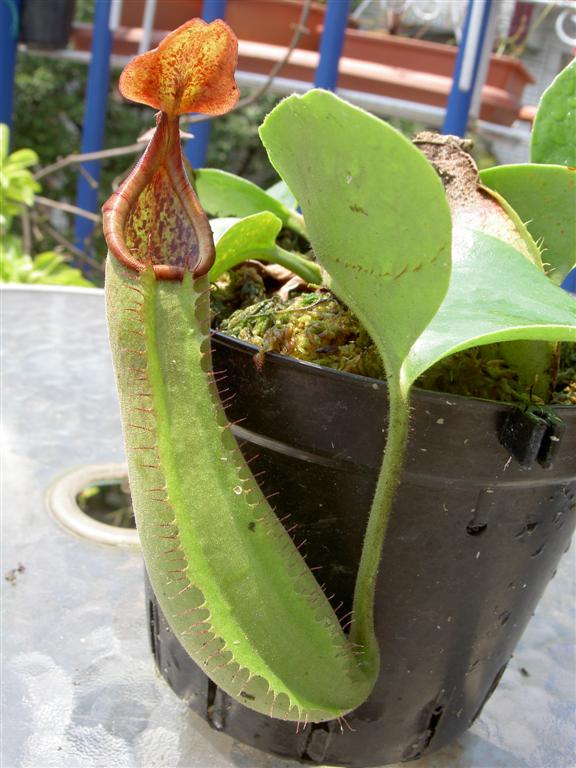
[(46, 24), (473, 541)]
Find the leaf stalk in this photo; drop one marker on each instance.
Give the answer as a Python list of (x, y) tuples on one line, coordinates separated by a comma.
[(362, 629)]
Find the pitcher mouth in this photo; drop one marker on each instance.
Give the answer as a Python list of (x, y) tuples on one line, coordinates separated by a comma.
[(154, 219)]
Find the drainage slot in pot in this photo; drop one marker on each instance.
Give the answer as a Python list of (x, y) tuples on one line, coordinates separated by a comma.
[(216, 707), (153, 634), (433, 722), (532, 435), (94, 503), (433, 714)]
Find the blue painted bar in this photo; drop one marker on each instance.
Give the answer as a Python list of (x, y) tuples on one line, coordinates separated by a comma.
[(467, 64), (569, 283), (9, 29), (94, 116), (332, 43), (197, 147)]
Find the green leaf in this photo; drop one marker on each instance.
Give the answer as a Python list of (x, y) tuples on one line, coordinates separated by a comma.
[(245, 239), (67, 276), (544, 196), (23, 158), (379, 223), (495, 295), (22, 192), (375, 210), (49, 267), (254, 237), (554, 131), (14, 265), (224, 194), (48, 262), (4, 142)]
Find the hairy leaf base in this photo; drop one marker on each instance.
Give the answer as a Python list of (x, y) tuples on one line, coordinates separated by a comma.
[(232, 584)]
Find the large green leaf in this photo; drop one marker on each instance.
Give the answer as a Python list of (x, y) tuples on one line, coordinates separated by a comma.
[(544, 196), (375, 211), (380, 225), (554, 131), (495, 295), (224, 194)]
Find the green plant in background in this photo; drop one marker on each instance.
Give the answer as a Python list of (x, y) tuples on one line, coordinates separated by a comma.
[(232, 584), (17, 184), (17, 189), (47, 268), (56, 89)]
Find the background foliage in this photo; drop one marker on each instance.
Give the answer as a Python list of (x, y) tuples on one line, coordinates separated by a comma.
[(49, 115)]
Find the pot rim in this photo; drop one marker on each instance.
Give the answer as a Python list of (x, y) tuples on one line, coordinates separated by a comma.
[(368, 382)]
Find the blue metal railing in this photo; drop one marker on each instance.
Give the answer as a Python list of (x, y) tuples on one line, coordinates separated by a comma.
[(474, 38), (94, 119), (197, 147), (9, 29), (569, 283), (331, 44)]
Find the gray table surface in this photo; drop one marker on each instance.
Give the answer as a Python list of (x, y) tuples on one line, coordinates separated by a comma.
[(79, 686)]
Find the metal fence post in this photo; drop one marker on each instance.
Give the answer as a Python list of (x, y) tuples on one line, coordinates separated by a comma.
[(569, 283), (474, 38), (9, 30), (94, 118), (197, 147), (331, 44)]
